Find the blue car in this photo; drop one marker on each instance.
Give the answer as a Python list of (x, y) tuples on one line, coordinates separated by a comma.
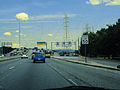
[(38, 56)]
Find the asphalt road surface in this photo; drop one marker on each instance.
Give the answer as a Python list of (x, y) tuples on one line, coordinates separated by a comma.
[(25, 75)]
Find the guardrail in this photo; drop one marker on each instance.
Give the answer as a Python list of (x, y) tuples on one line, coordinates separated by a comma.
[(8, 58)]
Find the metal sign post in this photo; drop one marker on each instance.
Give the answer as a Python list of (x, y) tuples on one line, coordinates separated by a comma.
[(46, 46), (84, 42), (51, 45)]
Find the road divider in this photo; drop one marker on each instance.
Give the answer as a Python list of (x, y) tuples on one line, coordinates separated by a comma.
[(9, 58), (94, 64)]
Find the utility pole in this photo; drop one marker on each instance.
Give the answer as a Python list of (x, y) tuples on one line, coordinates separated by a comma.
[(51, 45), (19, 36), (78, 43)]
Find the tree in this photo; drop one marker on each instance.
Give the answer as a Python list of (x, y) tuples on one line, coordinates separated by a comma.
[(105, 42)]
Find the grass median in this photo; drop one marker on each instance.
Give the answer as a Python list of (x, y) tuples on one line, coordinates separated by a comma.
[(94, 64)]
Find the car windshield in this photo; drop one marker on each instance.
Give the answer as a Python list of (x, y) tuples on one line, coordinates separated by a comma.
[(52, 44)]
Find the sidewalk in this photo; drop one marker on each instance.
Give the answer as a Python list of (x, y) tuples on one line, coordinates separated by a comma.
[(87, 63)]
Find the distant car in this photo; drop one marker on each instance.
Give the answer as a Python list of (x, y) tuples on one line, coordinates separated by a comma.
[(67, 54), (61, 53), (33, 54), (47, 55), (24, 56), (38, 56), (75, 54)]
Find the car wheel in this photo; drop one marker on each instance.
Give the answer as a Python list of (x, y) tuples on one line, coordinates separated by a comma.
[(118, 66), (33, 61), (44, 61)]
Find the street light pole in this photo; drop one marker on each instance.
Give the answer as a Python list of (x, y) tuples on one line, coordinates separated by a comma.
[(78, 43), (19, 36), (21, 16)]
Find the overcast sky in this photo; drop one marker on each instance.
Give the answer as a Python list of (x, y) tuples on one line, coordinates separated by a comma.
[(46, 18)]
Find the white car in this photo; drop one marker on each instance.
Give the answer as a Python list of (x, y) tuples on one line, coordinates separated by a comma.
[(24, 56)]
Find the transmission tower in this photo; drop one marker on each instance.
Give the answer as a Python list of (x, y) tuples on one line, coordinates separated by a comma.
[(66, 26)]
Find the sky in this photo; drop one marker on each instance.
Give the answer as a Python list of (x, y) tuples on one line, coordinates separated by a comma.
[(45, 20)]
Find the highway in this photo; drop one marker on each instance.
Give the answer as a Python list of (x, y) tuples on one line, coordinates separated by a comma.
[(22, 74)]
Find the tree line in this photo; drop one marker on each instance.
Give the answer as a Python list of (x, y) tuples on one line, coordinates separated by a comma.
[(105, 42)]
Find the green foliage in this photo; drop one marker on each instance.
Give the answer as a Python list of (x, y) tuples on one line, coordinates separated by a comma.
[(105, 42)]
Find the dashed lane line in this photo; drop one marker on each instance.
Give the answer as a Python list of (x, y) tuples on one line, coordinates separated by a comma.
[(73, 82), (11, 67)]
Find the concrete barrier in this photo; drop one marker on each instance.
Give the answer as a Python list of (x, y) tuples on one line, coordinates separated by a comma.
[(9, 58)]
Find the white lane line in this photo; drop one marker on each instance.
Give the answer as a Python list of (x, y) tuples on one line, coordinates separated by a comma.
[(12, 67), (73, 82), (69, 80)]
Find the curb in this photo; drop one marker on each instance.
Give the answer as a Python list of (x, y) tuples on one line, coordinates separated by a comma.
[(83, 63), (9, 59)]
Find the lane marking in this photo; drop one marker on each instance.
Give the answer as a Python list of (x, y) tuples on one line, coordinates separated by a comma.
[(76, 78), (60, 73), (12, 67), (73, 82)]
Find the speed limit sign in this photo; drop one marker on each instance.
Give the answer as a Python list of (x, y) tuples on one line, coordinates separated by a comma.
[(85, 39)]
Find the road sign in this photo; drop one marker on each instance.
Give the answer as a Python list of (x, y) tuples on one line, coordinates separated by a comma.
[(7, 43), (85, 39), (41, 43), (69, 43), (57, 43), (63, 43)]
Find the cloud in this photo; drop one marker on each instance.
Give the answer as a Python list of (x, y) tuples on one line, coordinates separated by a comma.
[(8, 22), (106, 2), (33, 21), (15, 45), (22, 16), (16, 36), (50, 35), (26, 27), (44, 4), (94, 2), (41, 21), (114, 2), (22, 34), (51, 16), (7, 33), (17, 30), (7, 19)]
